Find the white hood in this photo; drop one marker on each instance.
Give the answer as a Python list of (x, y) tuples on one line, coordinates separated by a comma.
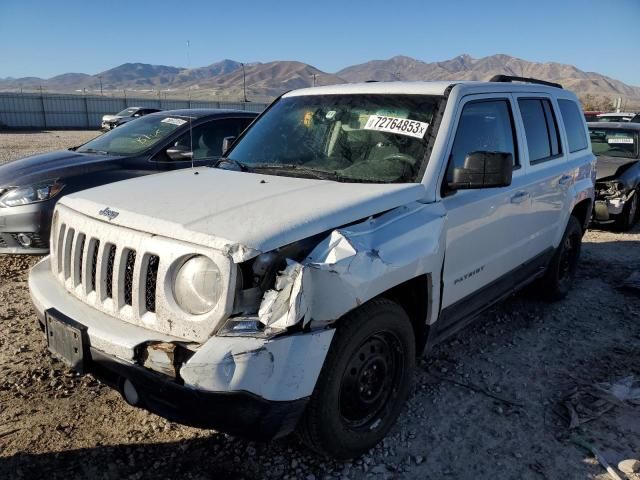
[(238, 213)]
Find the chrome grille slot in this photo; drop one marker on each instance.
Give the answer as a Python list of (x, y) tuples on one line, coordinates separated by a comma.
[(151, 281), (108, 271), (129, 268), (68, 243), (94, 247), (78, 255), (60, 247)]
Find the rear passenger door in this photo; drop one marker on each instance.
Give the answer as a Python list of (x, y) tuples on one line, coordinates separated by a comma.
[(548, 176), (485, 227)]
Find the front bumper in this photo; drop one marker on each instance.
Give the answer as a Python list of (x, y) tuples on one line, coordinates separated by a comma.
[(605, 209), (236, 413), (33, 220), (246, 386)]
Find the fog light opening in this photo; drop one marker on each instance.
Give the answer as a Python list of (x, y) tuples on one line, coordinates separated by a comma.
[(130, 393), (24, 240)]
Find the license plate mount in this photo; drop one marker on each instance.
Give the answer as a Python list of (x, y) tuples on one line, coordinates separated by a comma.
[(66, 339)]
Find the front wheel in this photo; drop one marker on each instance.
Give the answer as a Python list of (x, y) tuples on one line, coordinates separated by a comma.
[(364, 382), (558, 279)]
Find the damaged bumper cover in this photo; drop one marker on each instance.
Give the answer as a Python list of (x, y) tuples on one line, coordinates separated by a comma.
[(254, 387), (610, 201), (237, 413)]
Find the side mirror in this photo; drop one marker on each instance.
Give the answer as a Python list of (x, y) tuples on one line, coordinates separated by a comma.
[(179, 152), (226, 144), (483, 170)]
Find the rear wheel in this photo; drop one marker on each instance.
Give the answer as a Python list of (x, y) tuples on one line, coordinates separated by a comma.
[(363, 383), (558, 279), (629, 215)]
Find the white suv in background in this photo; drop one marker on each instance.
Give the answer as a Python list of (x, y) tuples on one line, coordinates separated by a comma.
[(344, 233)]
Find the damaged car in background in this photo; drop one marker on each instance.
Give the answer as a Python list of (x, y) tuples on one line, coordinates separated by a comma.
[(618, 173), (345, 233)]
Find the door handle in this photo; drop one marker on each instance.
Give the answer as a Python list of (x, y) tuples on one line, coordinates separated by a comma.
[(520, 197), (565, 179)]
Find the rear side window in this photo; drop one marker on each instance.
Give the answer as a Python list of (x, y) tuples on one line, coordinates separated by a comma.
[(541, 129), (484, 126), (573, 124)]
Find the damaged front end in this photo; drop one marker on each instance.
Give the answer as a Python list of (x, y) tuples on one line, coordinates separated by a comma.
[(310, 284), (611, 198)]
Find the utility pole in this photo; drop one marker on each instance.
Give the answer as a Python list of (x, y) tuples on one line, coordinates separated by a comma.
[(314, 79), (244, 83), (100, 78)]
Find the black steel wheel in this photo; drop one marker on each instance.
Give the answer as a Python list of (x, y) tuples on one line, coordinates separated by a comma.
[(370, 379), (364, 381), (561, 271)]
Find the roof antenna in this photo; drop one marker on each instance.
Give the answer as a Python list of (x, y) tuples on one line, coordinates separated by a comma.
[(190, 118)]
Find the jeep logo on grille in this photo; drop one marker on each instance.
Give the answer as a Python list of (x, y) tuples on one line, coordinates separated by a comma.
[(110, 214)]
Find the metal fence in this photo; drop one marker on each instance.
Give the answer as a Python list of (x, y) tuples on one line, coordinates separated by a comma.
[(60, 111)]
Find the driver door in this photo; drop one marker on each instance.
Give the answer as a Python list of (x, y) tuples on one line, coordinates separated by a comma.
[(486, 227)]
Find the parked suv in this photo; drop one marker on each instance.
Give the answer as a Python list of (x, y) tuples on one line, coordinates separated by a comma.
[(343, 234)]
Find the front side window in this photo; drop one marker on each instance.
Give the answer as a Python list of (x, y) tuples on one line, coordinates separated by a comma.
[(610, 142), (484, 126), (541, 129), (207, 138), (134, 137), (378, 138)]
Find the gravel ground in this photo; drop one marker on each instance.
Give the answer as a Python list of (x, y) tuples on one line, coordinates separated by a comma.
[(489, 403)]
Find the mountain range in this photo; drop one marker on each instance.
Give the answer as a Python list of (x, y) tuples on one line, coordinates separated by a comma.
[(225, 78)]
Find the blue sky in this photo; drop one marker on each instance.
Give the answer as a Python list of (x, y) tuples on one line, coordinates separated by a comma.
[(47, 38)]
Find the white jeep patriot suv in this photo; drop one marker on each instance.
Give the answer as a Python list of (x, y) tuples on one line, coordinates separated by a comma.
[(341, 235)]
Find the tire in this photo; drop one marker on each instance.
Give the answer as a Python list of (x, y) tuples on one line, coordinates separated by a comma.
[(558, 279), (629, 215), (353, 405)]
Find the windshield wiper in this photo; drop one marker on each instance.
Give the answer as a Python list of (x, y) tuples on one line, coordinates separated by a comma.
[(93, 150), (239, 166), (315, 172)]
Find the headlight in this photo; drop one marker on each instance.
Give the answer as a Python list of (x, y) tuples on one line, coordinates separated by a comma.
[(197, 285), (30, 194)]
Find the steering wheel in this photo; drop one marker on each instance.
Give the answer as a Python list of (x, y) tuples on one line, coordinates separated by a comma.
[(402, 158)]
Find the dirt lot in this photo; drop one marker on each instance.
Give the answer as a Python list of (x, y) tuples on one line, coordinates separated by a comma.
[(487, 404)]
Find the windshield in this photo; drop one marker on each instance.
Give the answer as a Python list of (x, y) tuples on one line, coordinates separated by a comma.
[(614, 143), (353, 138), (127, 112), (135, 136)]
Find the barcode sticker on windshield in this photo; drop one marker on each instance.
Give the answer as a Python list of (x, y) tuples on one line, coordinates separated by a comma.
[(401, 126), (620, 140), (174, 121)]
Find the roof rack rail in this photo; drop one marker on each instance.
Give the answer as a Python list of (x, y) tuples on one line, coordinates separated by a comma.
[(509, 78)]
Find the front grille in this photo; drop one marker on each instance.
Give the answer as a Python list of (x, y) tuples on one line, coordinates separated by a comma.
[(125, 273), (105, 268)]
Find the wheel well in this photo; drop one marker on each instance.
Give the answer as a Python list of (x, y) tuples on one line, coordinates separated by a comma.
[(582, 211), (414, 296)]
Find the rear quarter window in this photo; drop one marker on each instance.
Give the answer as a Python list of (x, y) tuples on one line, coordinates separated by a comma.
[(573, 124), (540, 128)]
